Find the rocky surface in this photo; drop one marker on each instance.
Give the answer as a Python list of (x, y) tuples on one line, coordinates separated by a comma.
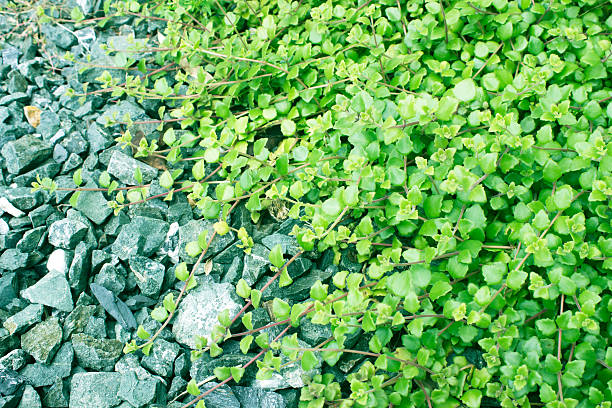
[(76, 281)]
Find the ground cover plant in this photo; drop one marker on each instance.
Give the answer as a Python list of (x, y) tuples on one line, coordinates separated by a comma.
[(461, 150)]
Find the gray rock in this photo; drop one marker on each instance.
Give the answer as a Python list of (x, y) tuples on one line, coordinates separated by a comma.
[(255, 264), (11, 388), (77, 320), (48, 169), (80, 267), (7, 342), (10, 56), (58, 35), (290, 375), (4, 227), (42, 375), (123, 167), (49, 124), (254, 397), (114, 306), (66, 233), (30, 398), (222, 397), (16, 82), (31, 239), (13, 259), (112, 277), (177, 386), (96, 354), (43, 340), (8, 288), (142, 236), (197, 313), (24, 153), (58, 261), (75, 143), (288, 243), (14, 360), (22, 197), (93, 205), (51, 290), (56, 396), (73, 161), (60, 154), (314, 334), (22, 321), (9, 208), (190, 232), (98, 138), (161, 358), (96, 327), (95, 390), (141, 392), (149, 275)]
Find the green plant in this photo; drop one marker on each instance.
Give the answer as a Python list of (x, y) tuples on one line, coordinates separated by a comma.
[(462, 149)]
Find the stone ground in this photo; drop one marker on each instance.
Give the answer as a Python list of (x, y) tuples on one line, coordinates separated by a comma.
[(76, 282)]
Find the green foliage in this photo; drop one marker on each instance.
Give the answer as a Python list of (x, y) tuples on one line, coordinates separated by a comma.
[(462, 150)]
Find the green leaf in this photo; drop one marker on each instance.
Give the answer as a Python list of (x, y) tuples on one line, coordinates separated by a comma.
[(159, 313), (77, 178), (465, 90), (222, 373), (288, 127), (245, 344), (181, 272), (192, 388), (198, 170), (516, 279), (138, 175), (448, 105), (309, 360), (142, 333), (243, 289), (193, 249), (276, 256), (472, 398), (439, 289), (166, 180), (281, 309), (255, 297), (237, 373), (332, 207), (104, 179)]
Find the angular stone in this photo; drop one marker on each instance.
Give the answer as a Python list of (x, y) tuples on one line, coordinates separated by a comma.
[(96, 354), (149, 275), (141, 392), (142, 236), (14, 360), (80, 267), (16, 82), (51, 290), (96, 327), (8, 288), (9, 208), (13, 259), (4, 227), (11, 384), (75, 143), (291, 375), (161, 358), (30, 398), (114, 306), (123, 167), (255, 264), (43, 340), (7, 342), (77, 320), (60, 154), (56, 396), (112, 277), (73, 161), (49, 124), (48, 169), (58, 261), (31, 239), (254, 397), (42, 375), (66, 233), (93, 205), (95, 390), (98, 138), (314, 334), (222, 397), (22, 197), (288, 243), (58, 35), (25, 319), (197, 313), (190, 232), (24, 153)]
